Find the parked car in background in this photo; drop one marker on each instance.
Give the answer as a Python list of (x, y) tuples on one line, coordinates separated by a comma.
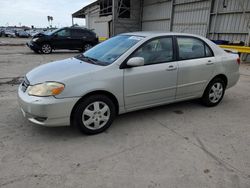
[(125, 73), (9, 33), (1, 33), (22, 34), (71, 38), (33, 32)]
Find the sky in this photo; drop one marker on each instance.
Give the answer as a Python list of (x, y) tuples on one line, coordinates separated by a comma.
[(35, 12)]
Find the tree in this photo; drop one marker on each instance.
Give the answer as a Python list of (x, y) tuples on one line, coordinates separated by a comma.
[(50, 19)]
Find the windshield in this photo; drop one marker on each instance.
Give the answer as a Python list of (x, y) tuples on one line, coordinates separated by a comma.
[(109, 51)]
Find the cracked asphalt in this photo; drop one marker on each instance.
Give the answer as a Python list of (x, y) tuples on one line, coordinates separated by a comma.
[(183, 145)]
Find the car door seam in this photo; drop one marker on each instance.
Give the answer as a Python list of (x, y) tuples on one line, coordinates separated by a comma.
[(193, 83), (152, 91)]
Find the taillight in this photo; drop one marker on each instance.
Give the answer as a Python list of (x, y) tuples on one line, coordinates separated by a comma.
[(238, 61)]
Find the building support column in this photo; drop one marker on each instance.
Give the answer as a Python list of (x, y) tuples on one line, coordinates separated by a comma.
[(210, 18), (114, 16), (215, 20), (172, 16)]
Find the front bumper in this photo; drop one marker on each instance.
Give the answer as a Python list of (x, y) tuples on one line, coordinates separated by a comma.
[(33, 46), (46, 111)]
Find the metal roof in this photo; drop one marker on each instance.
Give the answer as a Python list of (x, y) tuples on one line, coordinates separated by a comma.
[(81, 13)]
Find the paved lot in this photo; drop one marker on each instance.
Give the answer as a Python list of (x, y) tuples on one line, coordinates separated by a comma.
[(182, 145)]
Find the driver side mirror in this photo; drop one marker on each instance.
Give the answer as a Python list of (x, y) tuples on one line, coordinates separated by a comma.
[(55, 35), (135, 62)]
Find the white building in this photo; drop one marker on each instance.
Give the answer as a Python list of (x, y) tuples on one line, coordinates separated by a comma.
[(98, 21)]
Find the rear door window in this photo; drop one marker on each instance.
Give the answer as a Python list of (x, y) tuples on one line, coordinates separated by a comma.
[(63, 33), (209, 52), (79, 33), (76, 33), (87, 33), (192, 48)]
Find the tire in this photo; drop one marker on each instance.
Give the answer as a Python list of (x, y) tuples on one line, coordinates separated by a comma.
[(214, 92), (86, 47), (94, 114), (46, 48), (36, 51)]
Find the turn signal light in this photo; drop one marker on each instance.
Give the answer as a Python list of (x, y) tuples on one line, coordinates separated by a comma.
[(57, 91)]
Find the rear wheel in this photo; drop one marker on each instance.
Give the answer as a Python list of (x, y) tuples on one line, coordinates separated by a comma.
[(46, 48), (214, 92), (86, 47), (94, 114)]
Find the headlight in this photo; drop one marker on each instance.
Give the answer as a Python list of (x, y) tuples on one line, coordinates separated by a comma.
[(46, 89), (35, 39)]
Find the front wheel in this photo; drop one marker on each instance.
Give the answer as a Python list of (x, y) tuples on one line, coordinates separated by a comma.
[(94, 114), (214, 92), (46, 48)]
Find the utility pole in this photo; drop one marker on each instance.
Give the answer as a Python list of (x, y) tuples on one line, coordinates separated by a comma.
[(72, 21)]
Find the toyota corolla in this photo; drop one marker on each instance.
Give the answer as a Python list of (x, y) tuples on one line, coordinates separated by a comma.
[(128, 72)]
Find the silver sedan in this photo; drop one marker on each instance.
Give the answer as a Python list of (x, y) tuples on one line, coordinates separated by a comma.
[(128, 72)]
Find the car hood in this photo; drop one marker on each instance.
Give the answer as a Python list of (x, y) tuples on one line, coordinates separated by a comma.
[(37, 35), (60, 70)]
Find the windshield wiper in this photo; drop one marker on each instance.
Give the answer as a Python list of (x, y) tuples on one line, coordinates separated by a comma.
[(90, 59), (94, 61)]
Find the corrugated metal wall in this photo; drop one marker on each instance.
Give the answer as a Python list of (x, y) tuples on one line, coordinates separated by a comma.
[(229, 20), (216, 19), (191, 16), (156, 15)]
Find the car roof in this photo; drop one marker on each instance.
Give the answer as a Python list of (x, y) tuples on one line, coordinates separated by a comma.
[(151, 34), (83, 28), (158, 33), (78, 28)]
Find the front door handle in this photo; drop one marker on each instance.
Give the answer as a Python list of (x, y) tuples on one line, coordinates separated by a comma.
[(171, 68)]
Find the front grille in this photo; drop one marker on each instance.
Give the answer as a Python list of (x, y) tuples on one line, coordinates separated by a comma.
[(25, 84)]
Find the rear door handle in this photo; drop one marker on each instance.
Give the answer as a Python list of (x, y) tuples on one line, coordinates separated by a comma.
[(171, 68), (209, 62)]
